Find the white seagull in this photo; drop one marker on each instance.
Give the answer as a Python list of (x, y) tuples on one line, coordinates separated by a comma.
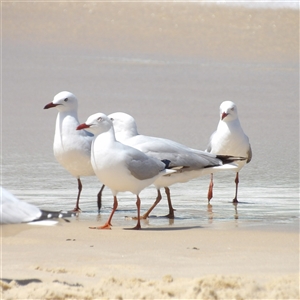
[(229, 139), (118, 166), (195, 163), (15, 211), (72, 148)]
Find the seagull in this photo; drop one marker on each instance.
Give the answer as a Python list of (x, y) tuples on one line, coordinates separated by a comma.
[(118, 166), (15, 211), (72, 148), (196, 162), (229, 138)]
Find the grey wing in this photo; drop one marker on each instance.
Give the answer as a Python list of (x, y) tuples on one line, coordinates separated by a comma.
[(143, 167), (179, 155)]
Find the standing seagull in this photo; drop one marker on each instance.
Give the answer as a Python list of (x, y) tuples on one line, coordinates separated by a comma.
[(229, 138), (196, 162), (118, 166), (72, 148)]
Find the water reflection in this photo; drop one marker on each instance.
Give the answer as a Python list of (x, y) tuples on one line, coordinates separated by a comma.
[(191, 211), (236, 215), (98, 217), (211, 215)]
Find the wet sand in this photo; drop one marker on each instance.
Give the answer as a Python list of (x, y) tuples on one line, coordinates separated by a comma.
[(170, 68)]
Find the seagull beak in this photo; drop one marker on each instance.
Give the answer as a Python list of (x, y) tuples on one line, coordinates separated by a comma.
[(224, 115), (82, 126), (49, 105)]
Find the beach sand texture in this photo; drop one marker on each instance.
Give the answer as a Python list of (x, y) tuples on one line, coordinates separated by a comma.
[(170, 65), (156, 263)]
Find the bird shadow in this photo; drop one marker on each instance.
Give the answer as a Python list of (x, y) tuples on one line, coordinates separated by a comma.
[(240, 202), (167, 228)]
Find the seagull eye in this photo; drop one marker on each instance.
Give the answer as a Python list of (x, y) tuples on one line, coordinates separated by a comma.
[(66, 100), (100, 119), (112, 119)]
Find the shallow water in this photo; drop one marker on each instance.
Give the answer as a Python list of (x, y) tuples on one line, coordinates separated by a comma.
[(173, 86)]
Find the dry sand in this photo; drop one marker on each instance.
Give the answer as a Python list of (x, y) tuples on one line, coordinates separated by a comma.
[(71, 261)]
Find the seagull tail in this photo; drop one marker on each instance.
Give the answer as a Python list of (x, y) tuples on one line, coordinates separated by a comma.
[(227, 159)]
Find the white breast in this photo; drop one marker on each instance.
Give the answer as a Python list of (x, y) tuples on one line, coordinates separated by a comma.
[(72, 148)]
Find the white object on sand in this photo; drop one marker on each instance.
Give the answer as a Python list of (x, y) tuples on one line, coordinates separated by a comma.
[(118, 166), (72, 148), (229, 139), (14, 211), (196, 162)]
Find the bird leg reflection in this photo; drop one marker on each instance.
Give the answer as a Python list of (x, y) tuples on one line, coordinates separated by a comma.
[(210, 188), (210, 212), (236, 214)]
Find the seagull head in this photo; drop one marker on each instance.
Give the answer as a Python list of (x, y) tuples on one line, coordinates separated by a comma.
[(97, 124), (124, 125), (63, 101), (228, 111)]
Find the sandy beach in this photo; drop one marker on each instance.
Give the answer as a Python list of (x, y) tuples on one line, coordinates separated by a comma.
[(74, 262), (170, 65)]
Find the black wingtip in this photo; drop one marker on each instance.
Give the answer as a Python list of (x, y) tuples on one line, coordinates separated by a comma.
[(166, 162), (227, 159)]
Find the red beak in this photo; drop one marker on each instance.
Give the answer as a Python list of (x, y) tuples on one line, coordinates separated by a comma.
[(82, 126), (49, 105), (224, 115)]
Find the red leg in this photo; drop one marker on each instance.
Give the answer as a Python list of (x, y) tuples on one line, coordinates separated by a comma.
[(77, 209), (138, 206), (108, 225), (171, 209), (99, 198), (158, 198), (235, 200), (210, 188)]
